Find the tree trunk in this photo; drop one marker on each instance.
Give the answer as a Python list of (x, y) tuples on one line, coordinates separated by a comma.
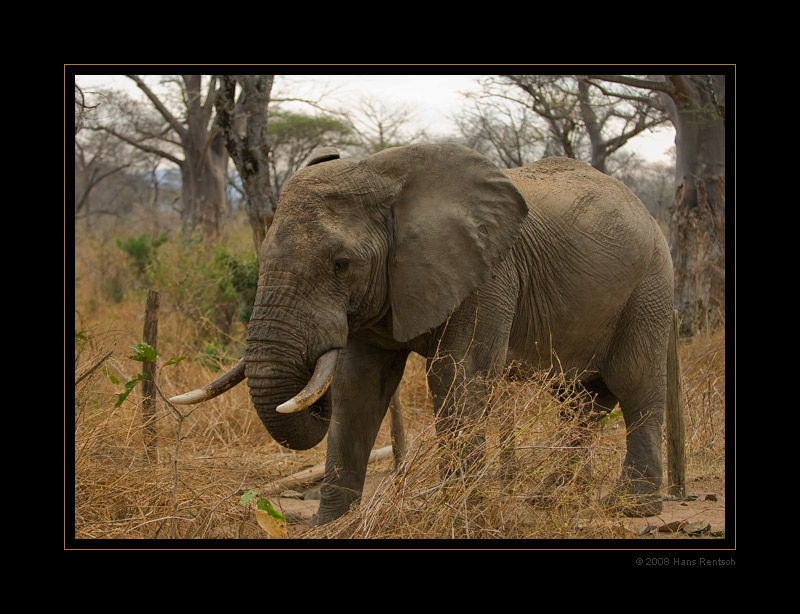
[(697, 224), (250, 151), (204, 177), (593, 128), (205, 167)]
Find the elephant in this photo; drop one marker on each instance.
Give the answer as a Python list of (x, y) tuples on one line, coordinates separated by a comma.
[(433, 249)]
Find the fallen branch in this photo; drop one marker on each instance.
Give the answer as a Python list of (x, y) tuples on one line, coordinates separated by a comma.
[(91, 369), (316, 473)]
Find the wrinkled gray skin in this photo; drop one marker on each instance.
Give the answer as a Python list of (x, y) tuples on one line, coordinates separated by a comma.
[(432, 249)]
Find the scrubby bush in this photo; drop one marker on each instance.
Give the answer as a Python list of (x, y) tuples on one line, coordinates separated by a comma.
[(211, 286), (243, 281), (141, 250)]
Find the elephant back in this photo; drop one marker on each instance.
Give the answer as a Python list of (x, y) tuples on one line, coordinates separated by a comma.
[(563, 191)]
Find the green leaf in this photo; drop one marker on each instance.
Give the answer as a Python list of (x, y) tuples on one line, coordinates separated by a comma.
[(263, 504), (144, 353), (175, 360), (111, 376), (129, 386), (266, 506), (245, 499)]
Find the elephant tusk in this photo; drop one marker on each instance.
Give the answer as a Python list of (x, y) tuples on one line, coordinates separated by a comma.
[(316, 387), (215, 388)]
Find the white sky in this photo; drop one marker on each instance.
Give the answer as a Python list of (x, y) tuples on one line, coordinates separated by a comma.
[(434, 98)]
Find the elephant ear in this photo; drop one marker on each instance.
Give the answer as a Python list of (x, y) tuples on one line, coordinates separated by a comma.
[(455, 218), (323, 154)]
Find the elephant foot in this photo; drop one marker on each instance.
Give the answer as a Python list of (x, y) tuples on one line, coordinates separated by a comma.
[(644, 501), (322, 518), (335, 501)]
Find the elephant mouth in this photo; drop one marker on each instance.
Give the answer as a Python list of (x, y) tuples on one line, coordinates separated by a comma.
[(283, 383), (317, 385), (274, 386)]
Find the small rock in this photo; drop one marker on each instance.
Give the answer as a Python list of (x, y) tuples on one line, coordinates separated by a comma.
[(711, 497), (671, 527), (696, 528)]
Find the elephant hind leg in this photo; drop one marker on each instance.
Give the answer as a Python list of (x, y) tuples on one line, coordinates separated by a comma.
[(636, 372), (642, 402), (638, 490), (587, 400)]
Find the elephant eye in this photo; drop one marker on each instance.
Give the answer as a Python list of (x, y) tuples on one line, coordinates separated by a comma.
[(340, 266)]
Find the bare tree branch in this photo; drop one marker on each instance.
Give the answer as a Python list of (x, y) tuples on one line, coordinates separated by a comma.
[(648, 84), (142, 146), (176, 125)]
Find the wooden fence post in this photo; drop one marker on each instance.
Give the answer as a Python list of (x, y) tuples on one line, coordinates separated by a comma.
[(150, 337), (676, 424), (398, 432)]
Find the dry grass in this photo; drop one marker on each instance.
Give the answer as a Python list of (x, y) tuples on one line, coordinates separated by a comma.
[(188, 486), (548, 491), (703, 366), (537, 477)]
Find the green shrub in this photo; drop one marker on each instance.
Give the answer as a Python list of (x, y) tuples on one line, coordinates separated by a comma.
[(114, 288), (213, 285), (243, 281), (141, 250)]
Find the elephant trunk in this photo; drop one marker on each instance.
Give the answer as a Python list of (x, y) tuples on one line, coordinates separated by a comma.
[(293, 342), (289, 364), (299, 430)]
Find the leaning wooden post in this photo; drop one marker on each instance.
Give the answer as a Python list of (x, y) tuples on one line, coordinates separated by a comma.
[(150, 337), (398, 432), (676, 424)]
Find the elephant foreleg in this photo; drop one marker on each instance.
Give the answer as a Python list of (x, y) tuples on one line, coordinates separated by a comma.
[(469, 358), (365, 381)]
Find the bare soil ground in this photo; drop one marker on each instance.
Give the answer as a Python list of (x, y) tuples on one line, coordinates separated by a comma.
[(701, 515)]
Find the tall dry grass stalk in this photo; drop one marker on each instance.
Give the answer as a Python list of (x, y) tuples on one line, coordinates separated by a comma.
[(703, 366)]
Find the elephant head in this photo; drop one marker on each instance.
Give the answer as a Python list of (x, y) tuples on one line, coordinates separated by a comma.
[(392, 242)]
